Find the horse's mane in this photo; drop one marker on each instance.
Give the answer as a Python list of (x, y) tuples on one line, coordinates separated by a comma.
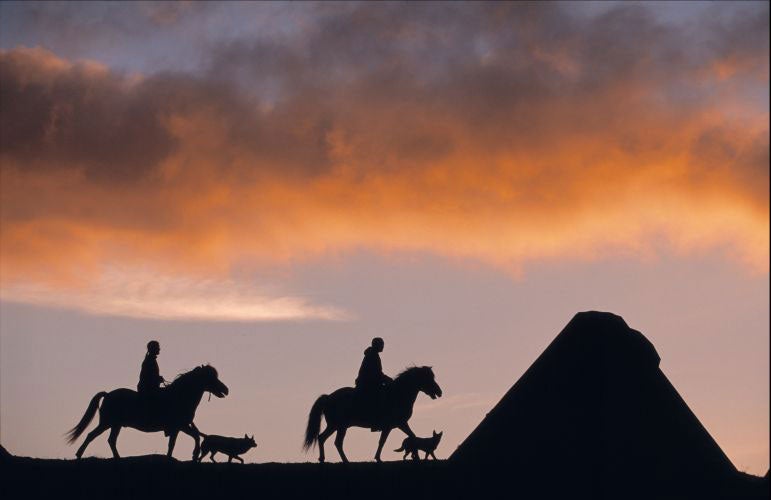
[(192, 374), (410, 371)]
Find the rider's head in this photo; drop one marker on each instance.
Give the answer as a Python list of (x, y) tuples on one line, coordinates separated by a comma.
[(153, 347), (378, 344)]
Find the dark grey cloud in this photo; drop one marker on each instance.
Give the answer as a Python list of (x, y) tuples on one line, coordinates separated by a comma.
[(400, 83), (79, 117)]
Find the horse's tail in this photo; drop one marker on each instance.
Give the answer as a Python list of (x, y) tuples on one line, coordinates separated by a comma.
[(314, 422), (74, 433)]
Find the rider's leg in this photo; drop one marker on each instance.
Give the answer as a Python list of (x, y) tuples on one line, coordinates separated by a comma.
[(90, 437), (383, 437), (339, 443), (113, 441)]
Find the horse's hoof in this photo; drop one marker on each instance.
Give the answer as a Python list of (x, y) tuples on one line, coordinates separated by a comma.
[(321, 460)]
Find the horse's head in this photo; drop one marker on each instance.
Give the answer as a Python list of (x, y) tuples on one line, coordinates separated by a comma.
[(210, 381), (427, 382)]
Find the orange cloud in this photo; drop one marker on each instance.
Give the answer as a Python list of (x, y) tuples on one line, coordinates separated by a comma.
[(549, 157)]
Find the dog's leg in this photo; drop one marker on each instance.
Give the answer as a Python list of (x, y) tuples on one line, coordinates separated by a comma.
[(213, 452), (239, 458)]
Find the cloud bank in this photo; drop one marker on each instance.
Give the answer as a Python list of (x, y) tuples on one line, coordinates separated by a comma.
[(503, 133)]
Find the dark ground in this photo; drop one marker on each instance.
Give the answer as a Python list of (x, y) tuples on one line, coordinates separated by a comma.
[(155, 477)]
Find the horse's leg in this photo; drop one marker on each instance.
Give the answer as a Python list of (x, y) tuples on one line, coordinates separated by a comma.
[(172, 441), (91, 436), (113, 440), (323, 437), (193, 432), (339, 443), (197, 438), (383, 436), (405, 428)]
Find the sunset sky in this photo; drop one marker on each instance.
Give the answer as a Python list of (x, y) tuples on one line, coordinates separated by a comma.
[(267, 186)]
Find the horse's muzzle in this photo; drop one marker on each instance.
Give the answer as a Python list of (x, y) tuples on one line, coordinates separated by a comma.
[(221, 392)]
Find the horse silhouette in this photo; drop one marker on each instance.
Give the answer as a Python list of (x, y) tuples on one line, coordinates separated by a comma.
[(170, 409), (343, 409)]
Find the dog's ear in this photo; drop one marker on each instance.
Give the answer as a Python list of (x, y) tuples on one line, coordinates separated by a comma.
[(246, 437)]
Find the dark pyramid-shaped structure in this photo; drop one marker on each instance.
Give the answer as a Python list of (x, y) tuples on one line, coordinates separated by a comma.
[(595, 417)]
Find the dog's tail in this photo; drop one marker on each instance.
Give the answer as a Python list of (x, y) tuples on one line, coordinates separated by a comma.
[(74, 433), (400, 449), (314, 422)]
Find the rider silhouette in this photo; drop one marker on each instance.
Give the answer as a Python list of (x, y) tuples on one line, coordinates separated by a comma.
[(150, 378), (371, 379)]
